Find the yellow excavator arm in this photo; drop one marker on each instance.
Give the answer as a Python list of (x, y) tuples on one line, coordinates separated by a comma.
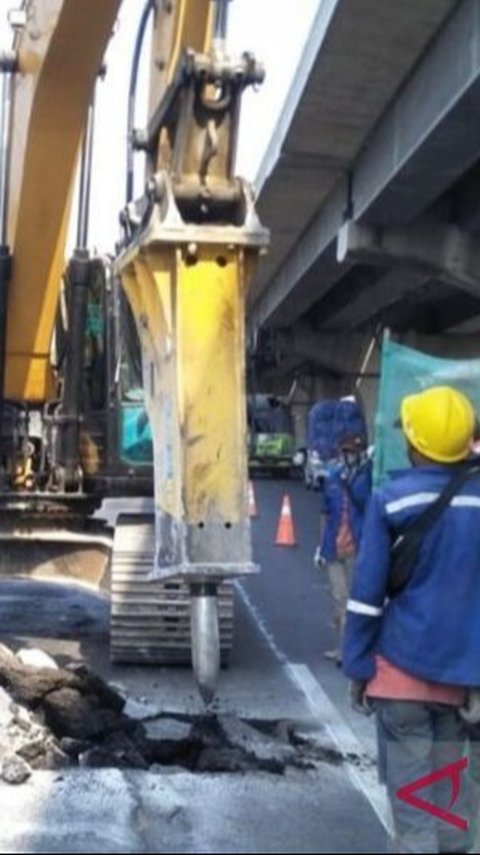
[(58, 56), (59, 53)]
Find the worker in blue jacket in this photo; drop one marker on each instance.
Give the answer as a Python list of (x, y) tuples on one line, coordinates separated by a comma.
[(413, 657), (346, 490)]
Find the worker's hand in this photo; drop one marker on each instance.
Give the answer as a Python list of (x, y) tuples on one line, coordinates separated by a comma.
[(470, 712), (318, 559), (357, 697)]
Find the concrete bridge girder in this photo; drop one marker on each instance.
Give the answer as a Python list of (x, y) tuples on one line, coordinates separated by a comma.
[(421, 146), (338, 354), (395, 284), (343, 354), (443, 252)]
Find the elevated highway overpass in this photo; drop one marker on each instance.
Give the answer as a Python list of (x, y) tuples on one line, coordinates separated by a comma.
[(371, 186)]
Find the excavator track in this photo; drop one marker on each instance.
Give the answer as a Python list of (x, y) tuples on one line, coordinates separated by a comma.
[(150, 621), (59, 548)]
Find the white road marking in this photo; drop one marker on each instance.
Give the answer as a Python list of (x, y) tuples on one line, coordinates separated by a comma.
[(362, 772), (262, 626)]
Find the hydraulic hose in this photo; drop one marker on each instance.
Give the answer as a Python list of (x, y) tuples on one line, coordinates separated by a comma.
[(5, 145), (221, 20), (86, 179), (150, 6)]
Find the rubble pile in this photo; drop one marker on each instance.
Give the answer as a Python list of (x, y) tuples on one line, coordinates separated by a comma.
[(59, 718)]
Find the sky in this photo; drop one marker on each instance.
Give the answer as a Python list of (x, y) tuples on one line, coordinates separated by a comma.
[(268, 28)]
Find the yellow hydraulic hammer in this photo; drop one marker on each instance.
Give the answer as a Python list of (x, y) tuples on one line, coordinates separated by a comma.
[(188, 299), (185, 270)]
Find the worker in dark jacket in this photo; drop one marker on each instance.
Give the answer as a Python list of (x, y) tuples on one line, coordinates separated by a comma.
[(413, 657), (344, 498)]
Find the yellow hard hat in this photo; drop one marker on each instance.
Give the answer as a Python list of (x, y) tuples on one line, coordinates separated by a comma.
[(439, 423)]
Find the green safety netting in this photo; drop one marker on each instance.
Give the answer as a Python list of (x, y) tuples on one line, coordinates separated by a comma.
[(405, 371)]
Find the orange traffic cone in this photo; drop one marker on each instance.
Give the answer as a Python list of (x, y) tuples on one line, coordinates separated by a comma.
[(285, 532), (252, 505)]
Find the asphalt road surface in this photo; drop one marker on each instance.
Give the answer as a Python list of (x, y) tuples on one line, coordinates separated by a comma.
[(283, 626)]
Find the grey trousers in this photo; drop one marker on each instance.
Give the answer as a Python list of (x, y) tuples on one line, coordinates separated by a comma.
[(414, 740), (340, 576)]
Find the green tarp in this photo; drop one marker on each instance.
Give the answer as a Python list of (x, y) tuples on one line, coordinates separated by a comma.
[(405, 371)]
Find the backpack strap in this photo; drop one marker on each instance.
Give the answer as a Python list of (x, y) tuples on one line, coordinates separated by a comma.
[(405, 549)]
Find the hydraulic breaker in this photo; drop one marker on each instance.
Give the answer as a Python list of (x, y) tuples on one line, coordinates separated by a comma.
[(188, 298), (190, 246)]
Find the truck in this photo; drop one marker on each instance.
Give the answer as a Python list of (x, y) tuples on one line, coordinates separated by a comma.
[(271, 435)]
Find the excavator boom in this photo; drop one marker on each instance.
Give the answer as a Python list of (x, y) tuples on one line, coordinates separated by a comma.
[(58, 56)]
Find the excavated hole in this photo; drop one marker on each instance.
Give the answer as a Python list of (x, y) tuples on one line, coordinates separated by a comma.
[(69, 718)]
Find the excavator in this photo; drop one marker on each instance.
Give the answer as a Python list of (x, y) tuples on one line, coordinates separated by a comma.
[(125, 376)]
